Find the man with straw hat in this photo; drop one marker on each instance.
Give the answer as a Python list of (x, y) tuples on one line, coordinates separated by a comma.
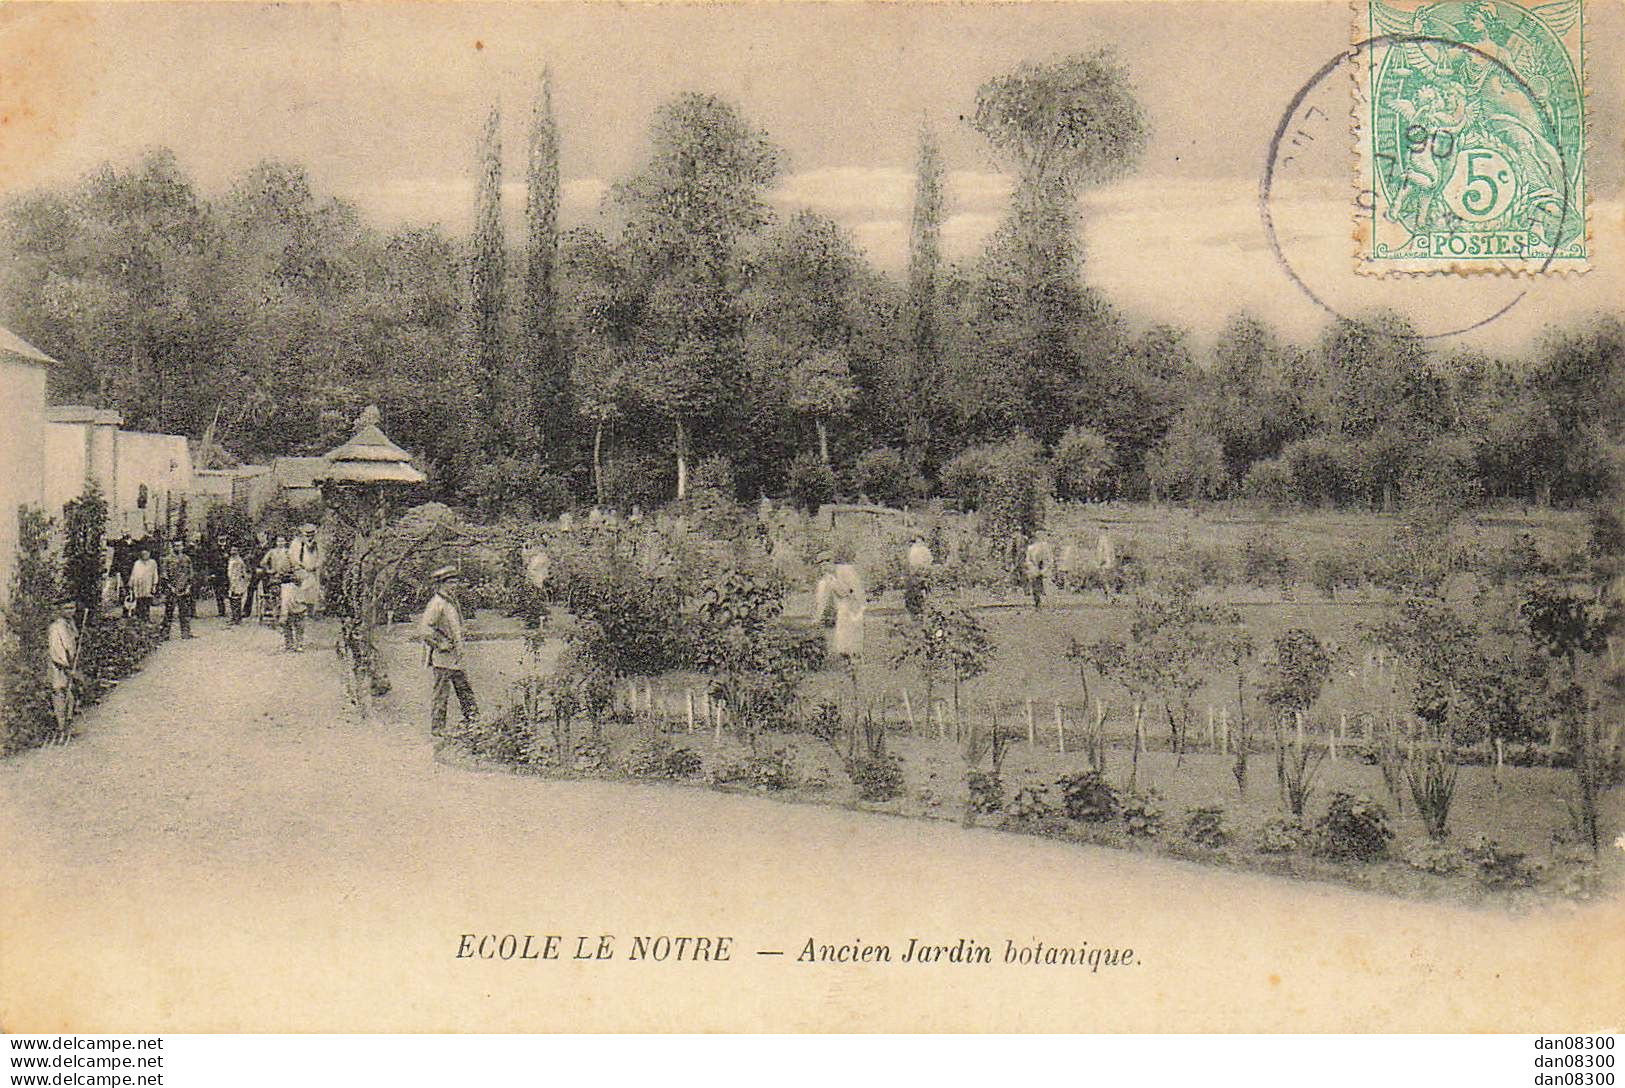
[(441, 629)]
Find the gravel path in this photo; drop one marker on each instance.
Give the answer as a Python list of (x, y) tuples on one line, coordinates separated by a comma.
[(228, 847)]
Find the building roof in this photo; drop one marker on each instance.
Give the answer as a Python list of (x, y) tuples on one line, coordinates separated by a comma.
[(298, 471), (12, 344), (82, 413), (370, 458)]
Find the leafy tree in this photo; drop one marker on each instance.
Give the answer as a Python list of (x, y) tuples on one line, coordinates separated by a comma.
[(700, 193), (1065, 126), (801, 301)]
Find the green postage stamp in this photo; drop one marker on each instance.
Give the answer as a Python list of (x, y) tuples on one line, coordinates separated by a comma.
[(1469, 121)]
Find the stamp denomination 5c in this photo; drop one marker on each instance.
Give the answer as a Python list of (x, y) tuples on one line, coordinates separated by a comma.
[(1469, 123)]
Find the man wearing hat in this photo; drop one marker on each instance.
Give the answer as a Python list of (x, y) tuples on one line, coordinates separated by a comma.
[(62, 640), (306, 556), (441, 629)]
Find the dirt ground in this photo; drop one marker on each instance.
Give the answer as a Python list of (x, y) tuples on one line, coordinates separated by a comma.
[(227, 846)]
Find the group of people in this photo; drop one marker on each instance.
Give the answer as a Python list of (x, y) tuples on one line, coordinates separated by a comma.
[(281, 577)]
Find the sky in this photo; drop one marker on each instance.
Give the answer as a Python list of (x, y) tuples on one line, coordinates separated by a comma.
[(382, 103)]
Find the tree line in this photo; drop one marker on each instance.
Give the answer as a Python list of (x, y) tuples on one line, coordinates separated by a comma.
[(698, 330)]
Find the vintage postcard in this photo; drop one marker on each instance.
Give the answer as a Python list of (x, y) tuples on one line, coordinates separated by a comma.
[(812, 517)]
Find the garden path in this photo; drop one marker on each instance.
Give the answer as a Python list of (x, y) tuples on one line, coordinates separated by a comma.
[(228, 847)]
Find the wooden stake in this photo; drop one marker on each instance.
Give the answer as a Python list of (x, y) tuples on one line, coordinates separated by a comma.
[(1224, 729), (1331, 746), (716, 716), (1210, 733), (1299, 715), (1060, 730), (690, 693), (1343, 726), (908, 709), (942, 726), (1032, 728)]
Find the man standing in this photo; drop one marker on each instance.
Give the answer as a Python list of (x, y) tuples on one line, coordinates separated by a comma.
[(277, 571), (178, 585), (916, 582), (441, 629), (144, 585), (219, 578), (62, 639), (237, 584), (1039, 561), (306, 558), (256, 573)]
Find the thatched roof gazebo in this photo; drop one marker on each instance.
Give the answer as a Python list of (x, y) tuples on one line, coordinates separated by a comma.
[(356, 476), (369, 459)]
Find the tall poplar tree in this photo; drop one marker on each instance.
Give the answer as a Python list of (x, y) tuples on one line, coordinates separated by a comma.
[(924, 263), (488, 279), (549, 415)]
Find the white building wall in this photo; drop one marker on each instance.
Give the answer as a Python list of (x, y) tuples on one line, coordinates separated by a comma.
[(22, 452), (161, 462), (65, 450)]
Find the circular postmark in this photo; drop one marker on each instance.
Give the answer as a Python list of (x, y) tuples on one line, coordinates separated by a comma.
[(1462, 147)]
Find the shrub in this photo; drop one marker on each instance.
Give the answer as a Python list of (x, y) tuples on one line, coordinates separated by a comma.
[(986, 791), (655, 757), (809, 483), (683, 763), (1142, 814), (632, 623), (1320, 469), (1085, 466), (768, 771), (1031, 805), (1188, 465), (1088, 797), (1008, 482), (1205, 826), (591, 755), (647, 758), (1438, 858), (1442, 475), (1270, 484), (25, 711), (1498, 867), (112, 649), (1354, 828), (517, 486), (878, 777), (1330, 572), (711, 499), (1431, 772), (1280, 836), (1266, 562), (84, 528), (644, 481), (883, 475), (508, 738)]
